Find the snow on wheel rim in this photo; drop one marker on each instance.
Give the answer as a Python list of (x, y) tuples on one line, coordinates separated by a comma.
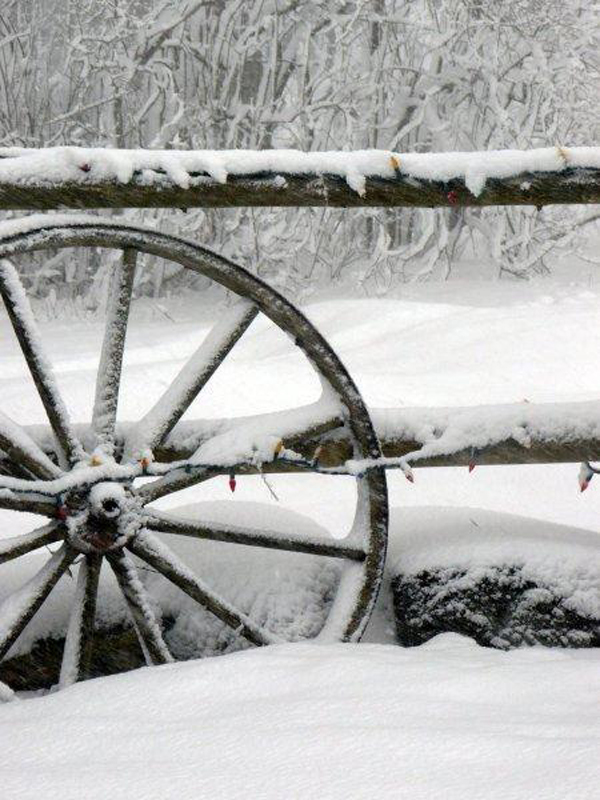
[(99, 489)]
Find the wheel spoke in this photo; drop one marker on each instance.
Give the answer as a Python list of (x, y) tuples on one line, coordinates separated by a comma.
[(10, 469), (21, 502), (21, 317), (162, 559), (20, 448), (20, 545), (256, 537), (144, 619), (17, 610), (111, 358), (172, 482), (152, 429), (80, 633)]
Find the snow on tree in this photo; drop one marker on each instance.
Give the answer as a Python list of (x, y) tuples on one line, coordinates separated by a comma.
[(429, 75)]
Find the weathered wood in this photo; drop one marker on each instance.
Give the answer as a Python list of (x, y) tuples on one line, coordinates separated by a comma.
[(140, 607), (108, 379), (568, 186), (77, 653), (236, 534), (22, 320), (334, 453), (18, 546), (505, 452), (18, 609), (351, 608), (334, 450), (15, 502)]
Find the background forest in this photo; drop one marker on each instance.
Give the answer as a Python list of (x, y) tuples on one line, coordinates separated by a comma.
[(403, 75)]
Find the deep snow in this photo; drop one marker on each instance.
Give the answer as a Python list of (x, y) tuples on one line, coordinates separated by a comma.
[(445, 720), (448, 719)]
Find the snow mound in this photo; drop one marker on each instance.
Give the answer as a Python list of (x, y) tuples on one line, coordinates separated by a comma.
[(288, 593)]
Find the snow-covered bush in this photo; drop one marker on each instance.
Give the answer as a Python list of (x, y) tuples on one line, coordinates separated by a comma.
[(503, 580), (417, 76), (496, 606)]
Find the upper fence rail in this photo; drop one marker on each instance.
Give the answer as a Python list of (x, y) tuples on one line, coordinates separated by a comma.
[(72, 177)]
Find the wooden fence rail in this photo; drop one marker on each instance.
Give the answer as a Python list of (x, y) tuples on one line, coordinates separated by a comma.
[(86, 179)]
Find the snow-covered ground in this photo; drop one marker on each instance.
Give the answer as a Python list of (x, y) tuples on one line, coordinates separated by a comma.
[(372, 720), (447, 720)]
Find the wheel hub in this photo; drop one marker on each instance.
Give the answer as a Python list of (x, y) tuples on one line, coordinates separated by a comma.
[(107, 517)]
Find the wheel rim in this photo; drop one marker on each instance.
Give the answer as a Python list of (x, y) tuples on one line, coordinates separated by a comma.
[(97, 511)]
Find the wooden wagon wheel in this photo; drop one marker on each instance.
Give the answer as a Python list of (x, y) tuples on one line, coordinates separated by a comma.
[(98, 514)]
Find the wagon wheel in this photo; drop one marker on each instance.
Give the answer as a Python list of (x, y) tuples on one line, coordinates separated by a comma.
[(97, 512)]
